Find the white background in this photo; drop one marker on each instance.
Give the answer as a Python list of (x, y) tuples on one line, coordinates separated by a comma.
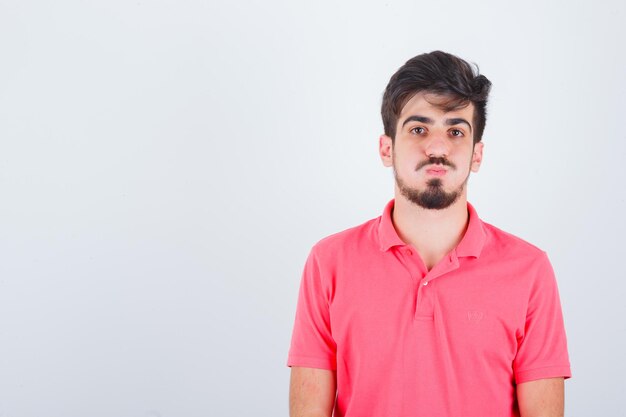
[(165, 167)]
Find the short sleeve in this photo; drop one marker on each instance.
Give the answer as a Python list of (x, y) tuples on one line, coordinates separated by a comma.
[(542, 349), (312, 344)]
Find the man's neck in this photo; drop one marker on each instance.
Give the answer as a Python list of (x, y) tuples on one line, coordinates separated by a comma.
[(433, 233)]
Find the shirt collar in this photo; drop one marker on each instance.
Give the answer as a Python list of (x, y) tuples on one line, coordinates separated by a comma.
[(471, 244), (474, 238), (387, 235)]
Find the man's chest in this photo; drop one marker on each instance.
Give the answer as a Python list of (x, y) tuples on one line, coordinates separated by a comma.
[(394, 307)]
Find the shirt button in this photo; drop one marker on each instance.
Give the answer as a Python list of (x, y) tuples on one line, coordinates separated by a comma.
[(425, 283), (409, 252)]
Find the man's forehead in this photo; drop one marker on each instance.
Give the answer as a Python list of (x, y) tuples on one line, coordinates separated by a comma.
[(442, 103)]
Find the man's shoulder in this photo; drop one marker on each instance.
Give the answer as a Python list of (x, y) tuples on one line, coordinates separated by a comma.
[(503, 242), (352, 237)]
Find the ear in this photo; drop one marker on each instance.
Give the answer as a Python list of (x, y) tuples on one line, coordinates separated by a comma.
[(477, 157), (385, 149)]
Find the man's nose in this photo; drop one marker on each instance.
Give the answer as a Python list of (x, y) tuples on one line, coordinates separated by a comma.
[(437, 146)]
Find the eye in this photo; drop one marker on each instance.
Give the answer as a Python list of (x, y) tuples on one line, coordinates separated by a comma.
[(417, 130), (456, 133)]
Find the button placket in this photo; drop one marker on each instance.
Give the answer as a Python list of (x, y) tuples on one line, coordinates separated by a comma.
[(421, 306), (413, 264), (421, 289), (424, 305)]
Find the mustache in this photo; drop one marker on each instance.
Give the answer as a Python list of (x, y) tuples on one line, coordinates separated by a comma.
[(435, 160)]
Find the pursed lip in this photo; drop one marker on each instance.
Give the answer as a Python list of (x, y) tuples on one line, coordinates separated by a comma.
[(436, 170)]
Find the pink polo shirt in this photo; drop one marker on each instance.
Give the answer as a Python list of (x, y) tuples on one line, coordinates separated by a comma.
[(407, 342)]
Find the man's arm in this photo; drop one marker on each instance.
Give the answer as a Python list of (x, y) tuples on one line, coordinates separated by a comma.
[(312, 392), (541, 398)]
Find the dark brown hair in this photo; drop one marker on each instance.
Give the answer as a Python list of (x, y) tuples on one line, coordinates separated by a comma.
[(442, 74)]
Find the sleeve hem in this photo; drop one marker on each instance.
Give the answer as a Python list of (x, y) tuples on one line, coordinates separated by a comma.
[(544, 372), (311, 362)]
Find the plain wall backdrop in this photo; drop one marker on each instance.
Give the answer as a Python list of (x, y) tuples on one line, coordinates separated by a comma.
[(165, 167)]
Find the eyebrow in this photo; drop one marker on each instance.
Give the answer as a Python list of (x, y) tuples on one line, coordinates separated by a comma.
[(429, 121)]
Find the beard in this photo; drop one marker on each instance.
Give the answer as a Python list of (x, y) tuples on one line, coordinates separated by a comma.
[(433, 197)]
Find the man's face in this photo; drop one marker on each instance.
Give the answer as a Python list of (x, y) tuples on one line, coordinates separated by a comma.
[(433, 152)]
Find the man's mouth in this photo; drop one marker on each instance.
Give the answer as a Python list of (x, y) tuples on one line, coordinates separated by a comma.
[(436, 171)]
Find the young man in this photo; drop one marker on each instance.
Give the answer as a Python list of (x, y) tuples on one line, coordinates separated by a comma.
[(426, 311)]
